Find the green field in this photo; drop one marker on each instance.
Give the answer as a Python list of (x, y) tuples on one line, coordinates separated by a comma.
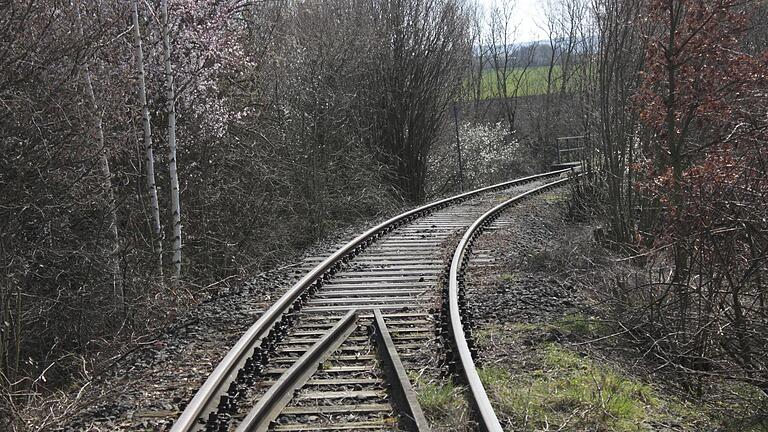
[(533, 81)]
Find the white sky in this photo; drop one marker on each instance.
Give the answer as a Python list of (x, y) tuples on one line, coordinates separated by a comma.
[(529, 15)]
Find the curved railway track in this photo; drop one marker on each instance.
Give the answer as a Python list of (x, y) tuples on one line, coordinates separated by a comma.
[(329, 354)]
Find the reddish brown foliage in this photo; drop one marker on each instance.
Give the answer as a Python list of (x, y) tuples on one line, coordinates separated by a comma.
[(698, 52), (703, 100), (701, 97)]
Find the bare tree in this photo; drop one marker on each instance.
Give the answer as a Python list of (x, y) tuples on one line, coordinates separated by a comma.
[(510, 61), (619, 60), (420, 54), (149, 152), (97, 132), (172, 170), (478, 59), (304, 106), (558, 113)]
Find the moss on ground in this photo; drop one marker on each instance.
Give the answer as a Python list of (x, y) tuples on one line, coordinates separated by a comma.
[(576, 325), (483, 335), (537, 382)]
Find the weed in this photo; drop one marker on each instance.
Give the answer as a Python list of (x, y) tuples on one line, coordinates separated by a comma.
[(435, 398), (557, 387), (443, 404), (572, 391), (523, 327), (484, 334)]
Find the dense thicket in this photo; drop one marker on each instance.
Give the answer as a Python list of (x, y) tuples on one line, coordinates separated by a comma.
[(284, 129), (680, 138)]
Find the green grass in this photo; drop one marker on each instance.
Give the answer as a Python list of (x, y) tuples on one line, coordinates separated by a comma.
[(443, 403), (553, 387), (581, 326), (571, 391), (533, 81), (437, 397), (576, 324), (484, 334)]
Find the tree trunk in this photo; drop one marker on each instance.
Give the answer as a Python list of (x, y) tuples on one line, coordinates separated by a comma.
[(113, 238), (171, 110), (151, 186)]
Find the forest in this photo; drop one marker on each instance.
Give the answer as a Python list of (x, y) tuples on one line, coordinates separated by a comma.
[(156, 153)]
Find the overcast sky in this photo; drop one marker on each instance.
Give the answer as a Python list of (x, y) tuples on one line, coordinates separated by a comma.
[(529, 15)]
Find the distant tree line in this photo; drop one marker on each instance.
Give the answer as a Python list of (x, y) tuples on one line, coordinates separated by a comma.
[(526, 54)]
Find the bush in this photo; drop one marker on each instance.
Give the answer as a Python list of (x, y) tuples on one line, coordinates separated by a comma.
[(489, 155)]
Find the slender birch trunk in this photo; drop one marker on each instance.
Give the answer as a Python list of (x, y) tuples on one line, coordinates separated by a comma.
[(171, 108), (150, 155), (113, 237)]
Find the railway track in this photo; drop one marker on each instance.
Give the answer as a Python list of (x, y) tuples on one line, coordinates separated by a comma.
[(331, 354)]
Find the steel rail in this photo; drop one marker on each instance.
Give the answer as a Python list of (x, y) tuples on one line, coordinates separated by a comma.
[(486, 417), (264, 330), (277, 397), (401, 389)]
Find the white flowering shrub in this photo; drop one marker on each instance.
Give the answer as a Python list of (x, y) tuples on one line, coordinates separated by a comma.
[(489, 153)]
